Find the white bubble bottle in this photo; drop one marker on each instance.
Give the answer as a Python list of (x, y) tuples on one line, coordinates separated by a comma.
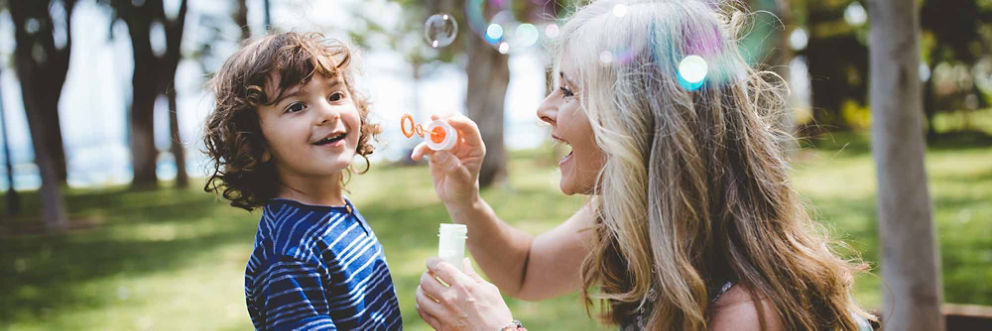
[(451, 243)]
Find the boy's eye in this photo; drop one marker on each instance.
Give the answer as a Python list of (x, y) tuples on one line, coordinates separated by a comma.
[(336, 96), (565, 91), (295, 107)]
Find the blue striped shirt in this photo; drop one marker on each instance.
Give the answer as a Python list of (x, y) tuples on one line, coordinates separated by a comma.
[(318, 268)]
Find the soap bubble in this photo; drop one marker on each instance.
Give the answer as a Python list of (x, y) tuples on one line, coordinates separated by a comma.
[(440, 30), (494, 33), (504, 48), (526, 35), (692, 72)]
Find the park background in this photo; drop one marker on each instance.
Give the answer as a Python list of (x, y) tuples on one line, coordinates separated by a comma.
[(122, 244)]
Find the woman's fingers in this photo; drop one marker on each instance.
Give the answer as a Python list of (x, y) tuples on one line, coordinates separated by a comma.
[(431, 287), (467, 130), (420, 151), (448, 273), (428, 309)]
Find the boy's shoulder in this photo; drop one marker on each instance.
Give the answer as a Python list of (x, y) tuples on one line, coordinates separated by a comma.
[(292, 229)]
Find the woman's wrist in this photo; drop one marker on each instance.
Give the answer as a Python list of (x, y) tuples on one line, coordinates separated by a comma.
[(469, 206), (513, 326)]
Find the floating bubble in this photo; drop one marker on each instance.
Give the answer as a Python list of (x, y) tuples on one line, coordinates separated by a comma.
[(551, 30), (526, 35), (504, 48), (440, 30), (606, 57), (855, 15), (494, 33), (798, 39), (620, 10), (692, 72)]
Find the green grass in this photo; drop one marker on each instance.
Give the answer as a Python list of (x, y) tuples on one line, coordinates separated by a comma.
[(174, 259)]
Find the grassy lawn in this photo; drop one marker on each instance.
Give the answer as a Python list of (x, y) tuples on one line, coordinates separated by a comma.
[(175, 259)]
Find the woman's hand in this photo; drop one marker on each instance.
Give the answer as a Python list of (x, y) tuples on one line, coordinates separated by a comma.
[(456, 171), (467, 303)]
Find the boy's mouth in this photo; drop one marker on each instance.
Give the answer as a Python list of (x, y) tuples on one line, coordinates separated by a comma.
[(332, 138)]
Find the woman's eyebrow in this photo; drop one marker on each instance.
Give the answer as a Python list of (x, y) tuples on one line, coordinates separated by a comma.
[(567, 81)]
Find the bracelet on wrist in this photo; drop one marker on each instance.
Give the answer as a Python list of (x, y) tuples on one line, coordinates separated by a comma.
[(514, 326)]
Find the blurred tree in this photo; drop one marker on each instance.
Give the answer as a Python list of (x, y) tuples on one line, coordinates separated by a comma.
[(50, 59), (488, 77), (241, 18), (267, 12), (154, 72), (954, 29), (41, 59), (13, 200), (837, 59), (909, 260)]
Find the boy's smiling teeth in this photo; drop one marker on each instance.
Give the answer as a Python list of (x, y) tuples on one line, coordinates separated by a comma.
[(331, 138)]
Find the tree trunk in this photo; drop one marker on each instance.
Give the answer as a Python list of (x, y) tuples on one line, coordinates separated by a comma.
[(176, 147), (241, 18), (488, 77), (909, 260), (13, 200), (53, 212), (152, 75), (143, 151), (41, 68), (267, 8)]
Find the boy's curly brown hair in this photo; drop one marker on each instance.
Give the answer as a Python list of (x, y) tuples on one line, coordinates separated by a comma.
[(233, 137)]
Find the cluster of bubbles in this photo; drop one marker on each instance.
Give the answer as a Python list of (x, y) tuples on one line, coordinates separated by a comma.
[(503, 30), (505, 33)]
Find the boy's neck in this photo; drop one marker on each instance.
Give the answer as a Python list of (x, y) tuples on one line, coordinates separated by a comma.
[(322, 191)]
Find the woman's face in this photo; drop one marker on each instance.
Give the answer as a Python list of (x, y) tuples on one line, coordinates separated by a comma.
[(570, 126)]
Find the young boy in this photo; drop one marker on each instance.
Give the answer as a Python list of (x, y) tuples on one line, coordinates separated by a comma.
[(285, 129)]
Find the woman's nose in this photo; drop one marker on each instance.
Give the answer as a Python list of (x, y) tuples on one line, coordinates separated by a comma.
[(548, 110)]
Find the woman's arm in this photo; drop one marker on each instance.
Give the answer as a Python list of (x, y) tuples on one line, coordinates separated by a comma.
[(523, 266), (519, 264)]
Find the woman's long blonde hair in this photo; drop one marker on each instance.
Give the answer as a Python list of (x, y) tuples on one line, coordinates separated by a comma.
[(695, 185)]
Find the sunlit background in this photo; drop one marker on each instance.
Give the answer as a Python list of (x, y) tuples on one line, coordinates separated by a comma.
[(173, 257)]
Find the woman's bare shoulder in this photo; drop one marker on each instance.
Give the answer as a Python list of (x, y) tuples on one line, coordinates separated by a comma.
[(735, 310)]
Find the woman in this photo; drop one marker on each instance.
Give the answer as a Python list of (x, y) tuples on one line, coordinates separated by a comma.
[(691, 223)]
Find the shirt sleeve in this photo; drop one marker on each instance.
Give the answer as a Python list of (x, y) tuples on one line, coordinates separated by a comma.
[(295, 298)]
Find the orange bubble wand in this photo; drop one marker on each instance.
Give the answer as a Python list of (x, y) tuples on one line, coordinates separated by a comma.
[(439, 135)]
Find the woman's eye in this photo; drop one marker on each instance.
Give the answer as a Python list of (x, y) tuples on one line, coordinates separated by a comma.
[(336, 96), (296, 107), (566, 92)]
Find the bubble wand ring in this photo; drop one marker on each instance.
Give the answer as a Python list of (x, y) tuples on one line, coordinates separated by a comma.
[(438, 135)]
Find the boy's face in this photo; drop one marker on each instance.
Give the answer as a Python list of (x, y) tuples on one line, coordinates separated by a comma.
[(313, 130)]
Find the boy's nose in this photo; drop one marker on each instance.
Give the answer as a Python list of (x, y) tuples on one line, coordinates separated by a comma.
[(326, 113)]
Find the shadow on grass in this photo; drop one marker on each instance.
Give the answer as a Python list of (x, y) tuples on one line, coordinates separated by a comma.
[(43, 274)]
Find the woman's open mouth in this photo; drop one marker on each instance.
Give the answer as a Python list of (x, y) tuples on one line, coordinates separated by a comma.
[(565, 159), (563, 142)]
